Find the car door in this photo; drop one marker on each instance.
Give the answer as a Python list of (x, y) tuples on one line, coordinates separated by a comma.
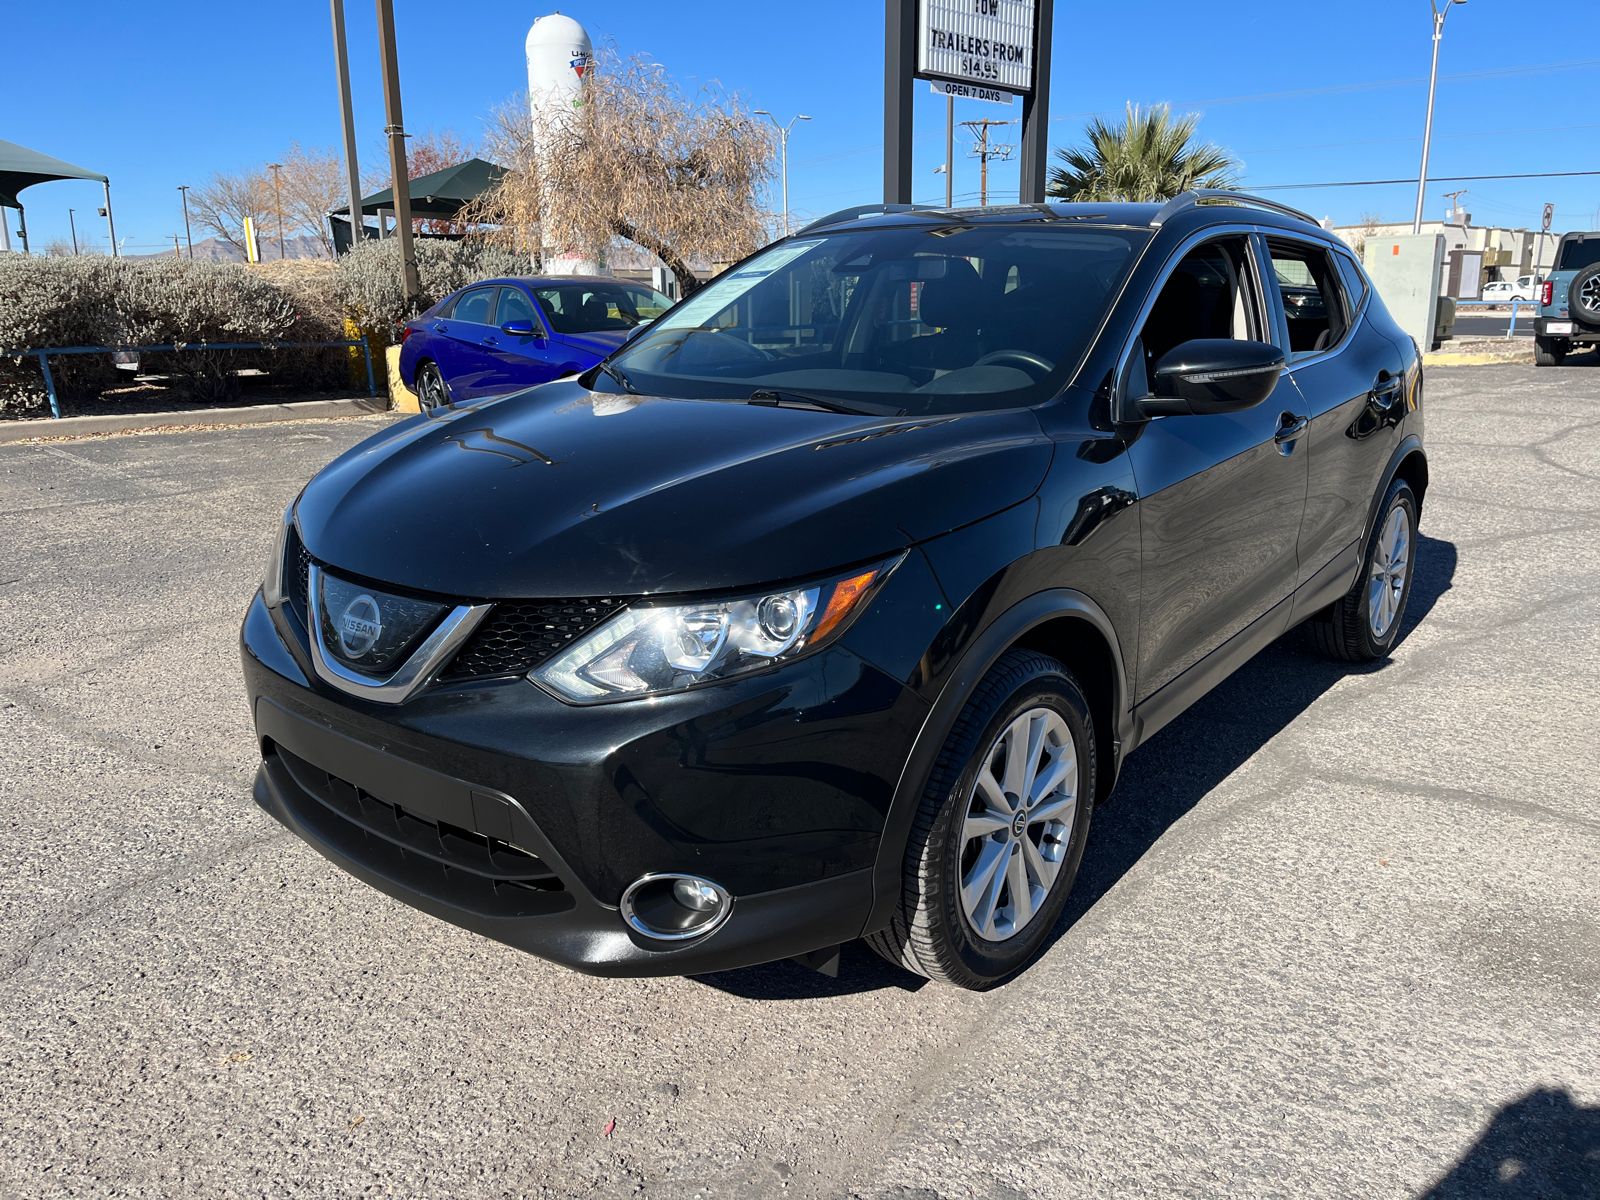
[(1220, 495), (465, 359), (1351, 381), (522, 359)]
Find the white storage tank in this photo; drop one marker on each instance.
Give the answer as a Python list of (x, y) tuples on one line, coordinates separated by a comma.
[(559, 57)]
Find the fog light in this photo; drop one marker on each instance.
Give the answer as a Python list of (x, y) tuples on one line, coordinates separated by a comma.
[(673, 908)]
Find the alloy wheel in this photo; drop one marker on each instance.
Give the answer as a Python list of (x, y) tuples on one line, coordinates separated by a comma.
[(431, 393), (1387, 584), (1589, 294), (1018, 824)]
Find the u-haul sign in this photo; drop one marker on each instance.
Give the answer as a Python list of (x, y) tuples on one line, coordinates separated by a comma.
[(988, 43)]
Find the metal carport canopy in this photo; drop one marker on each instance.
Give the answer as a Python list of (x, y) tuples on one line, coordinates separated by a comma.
[(21, 168)]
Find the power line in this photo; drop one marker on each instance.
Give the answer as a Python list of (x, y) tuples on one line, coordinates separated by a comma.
[(1289, 187)]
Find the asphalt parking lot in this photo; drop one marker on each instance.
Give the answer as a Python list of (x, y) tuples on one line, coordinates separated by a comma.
[(1336, 935)]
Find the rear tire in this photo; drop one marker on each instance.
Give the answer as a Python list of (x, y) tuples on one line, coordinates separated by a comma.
[(432, 394), (999, 833), (1548, 352), (1364, 624)]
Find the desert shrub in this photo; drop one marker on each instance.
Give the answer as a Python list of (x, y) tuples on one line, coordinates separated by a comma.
[(55, 302), (368, 281)]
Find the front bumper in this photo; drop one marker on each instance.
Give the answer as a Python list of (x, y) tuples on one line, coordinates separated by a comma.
[(774, 786)]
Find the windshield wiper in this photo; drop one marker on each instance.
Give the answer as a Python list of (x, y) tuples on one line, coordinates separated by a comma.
[(616, 373), (773, 398)]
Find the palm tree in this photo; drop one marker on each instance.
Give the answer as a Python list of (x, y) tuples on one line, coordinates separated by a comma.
[(1148, 156)]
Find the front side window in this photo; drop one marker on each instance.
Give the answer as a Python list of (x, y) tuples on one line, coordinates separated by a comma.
[(475, 306), (595, 306), (935, 316), (515, 306), (1311, 304)]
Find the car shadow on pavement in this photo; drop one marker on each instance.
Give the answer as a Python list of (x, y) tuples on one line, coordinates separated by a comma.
[(1160, 783), (1542, 1145)]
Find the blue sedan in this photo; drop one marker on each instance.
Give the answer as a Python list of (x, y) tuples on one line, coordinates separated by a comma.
[(503, 335)]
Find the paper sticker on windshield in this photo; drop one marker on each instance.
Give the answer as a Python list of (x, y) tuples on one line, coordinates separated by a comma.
[(726, 289)]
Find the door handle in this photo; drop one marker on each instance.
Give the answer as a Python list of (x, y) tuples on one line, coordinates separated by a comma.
[(489, 341), (1383, 392), (439, 328), (1290, 427)]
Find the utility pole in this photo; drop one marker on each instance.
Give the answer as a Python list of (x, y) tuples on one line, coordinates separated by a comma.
[(1454, 206), (347, 115), (983, 150), (277, 190), (395, 128), (183, 190), (783, 139), (949, 150), (1433, 81), (73, 225), (176, 252)]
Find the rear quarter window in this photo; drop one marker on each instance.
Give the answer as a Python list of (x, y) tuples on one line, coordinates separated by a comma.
[(1579, 254)]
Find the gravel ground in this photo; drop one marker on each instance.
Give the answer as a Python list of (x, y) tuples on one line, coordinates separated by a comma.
[(1337, 934)]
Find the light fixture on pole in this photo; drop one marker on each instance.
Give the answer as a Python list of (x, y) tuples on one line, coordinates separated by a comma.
[(1433, 80), (783, 138), (188, 234), (277, 188)]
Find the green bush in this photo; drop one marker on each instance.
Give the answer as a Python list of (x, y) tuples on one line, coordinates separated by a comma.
[(368, 280)]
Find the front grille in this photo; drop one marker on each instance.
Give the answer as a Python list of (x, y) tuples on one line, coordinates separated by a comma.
[(520, 634), (459, 866), (300, 588)]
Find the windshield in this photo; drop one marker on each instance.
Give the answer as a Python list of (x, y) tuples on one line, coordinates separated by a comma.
[(598, 306), (1579, 253), (934, 317)]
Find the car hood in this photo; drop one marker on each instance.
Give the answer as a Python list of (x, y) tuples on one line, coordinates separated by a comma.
[(600, 343), (558, 491)]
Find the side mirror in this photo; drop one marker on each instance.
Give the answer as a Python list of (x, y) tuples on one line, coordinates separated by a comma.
[(1213, 375), (523, 328)]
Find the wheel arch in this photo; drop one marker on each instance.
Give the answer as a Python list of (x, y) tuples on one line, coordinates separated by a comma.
[(1061, 622)]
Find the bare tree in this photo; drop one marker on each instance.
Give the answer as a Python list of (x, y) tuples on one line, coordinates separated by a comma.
[(313, 186), (1370, 223), (222, 204), (677, 174), (435, 149)]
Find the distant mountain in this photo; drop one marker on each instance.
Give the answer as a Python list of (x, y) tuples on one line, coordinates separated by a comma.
[(215, 250)]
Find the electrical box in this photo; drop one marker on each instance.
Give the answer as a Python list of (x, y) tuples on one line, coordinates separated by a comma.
[(1405, 271)]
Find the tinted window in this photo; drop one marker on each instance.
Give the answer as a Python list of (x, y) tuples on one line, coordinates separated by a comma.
[(1311, 303), (1205, 296), (1355, 285), (595, 306), (515, 306), (1577, 255), (475, 306), (935, 316)]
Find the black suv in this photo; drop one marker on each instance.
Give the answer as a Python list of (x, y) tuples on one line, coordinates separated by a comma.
[(829, 606)]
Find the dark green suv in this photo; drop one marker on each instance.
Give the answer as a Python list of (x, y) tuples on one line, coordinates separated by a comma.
[(1569, 300)]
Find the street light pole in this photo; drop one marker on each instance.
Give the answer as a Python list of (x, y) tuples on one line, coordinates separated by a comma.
[(188, 234), (73, 225), (1433, 81), (277, 190), (346, 115), (783, 139), (395, 129)]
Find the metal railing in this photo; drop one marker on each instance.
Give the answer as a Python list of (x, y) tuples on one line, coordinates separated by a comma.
[(43, 354), (1512, 331)]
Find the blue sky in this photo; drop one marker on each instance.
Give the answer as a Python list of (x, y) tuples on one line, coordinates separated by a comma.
[(159, 94)]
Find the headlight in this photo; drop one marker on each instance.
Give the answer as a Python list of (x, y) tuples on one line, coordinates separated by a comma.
[(651, 649), (272, 585)]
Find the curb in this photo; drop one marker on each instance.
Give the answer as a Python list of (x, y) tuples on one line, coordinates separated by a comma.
[(1477, 360), (255, 414)]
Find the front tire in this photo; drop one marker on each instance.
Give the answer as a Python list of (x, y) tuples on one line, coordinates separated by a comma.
[(1000, 830), (1364, 624), (1548, 352), (432, 394)]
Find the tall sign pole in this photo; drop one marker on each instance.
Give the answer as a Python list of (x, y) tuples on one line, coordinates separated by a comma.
[(991, 50), (1036, 110), (899, 66), (396, 131), (341, 61)]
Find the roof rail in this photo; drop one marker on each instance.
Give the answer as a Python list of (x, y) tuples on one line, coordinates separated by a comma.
[(1196, 195), (868, 210)]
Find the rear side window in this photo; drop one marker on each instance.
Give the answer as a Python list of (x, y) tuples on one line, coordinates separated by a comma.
[(475, 306), (1579, 254), (1311, 303), (1355, 284)]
